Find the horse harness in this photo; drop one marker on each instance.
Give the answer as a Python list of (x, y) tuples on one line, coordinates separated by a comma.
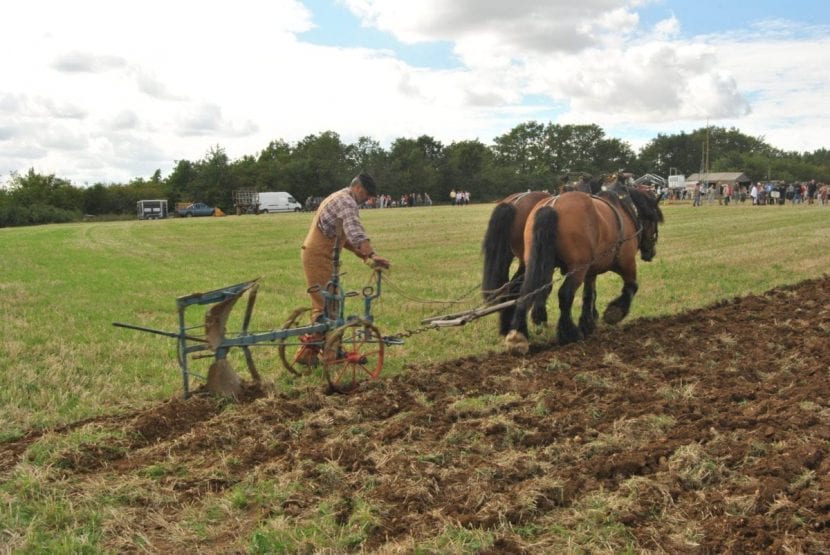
[(627, 205), (519, 197)]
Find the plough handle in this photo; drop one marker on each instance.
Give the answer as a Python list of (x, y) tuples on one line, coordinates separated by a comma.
[(159, 332)]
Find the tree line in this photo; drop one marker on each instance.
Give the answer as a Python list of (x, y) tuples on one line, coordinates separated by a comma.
[(532, 155)]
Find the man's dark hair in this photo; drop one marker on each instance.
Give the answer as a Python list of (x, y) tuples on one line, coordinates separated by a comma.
[(368, 183)]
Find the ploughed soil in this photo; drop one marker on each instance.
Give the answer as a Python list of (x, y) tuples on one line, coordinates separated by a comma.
[(704, 432)]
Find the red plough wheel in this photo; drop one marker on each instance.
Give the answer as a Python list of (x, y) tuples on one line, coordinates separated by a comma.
[(353, 353)]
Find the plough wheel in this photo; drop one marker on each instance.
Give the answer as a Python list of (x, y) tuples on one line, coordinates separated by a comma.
[(290, 348), (353, 352)]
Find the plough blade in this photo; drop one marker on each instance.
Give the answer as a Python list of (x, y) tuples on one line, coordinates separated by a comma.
[(222, 380), (216, 321)]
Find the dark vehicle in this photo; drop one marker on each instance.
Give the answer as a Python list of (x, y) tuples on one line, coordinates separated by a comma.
[(246, 201), (194, 209)]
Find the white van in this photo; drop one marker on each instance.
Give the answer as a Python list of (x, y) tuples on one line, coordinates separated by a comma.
[(279, 201)]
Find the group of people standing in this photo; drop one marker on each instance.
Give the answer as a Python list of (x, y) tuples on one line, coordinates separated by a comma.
[(761, 194), (808, 192), (407, 200), (460, 198)]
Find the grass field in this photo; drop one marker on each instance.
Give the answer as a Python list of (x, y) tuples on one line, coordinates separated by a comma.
[(578, 449), (62, 286)]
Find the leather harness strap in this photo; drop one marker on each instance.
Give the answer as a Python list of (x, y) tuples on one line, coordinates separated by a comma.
[(550, 201), (620, 229), (520, 196), (629, 208)]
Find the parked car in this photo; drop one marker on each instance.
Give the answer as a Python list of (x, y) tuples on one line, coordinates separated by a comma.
[(278, 201), (195, 209)]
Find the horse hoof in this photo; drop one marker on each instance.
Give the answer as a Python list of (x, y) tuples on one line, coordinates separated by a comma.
[(613, 314), (516, 343)]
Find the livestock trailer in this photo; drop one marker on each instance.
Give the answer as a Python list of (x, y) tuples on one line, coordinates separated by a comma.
[(151, 209)]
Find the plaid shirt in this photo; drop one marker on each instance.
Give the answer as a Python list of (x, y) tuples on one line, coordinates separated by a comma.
[(341, 207)]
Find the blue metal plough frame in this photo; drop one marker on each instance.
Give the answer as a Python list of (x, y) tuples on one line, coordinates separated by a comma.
[(349, 348)]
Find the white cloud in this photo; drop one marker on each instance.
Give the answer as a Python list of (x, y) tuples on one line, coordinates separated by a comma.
[(519, 26), (85, 62), (667, 28), (109, 91), (123, 120), (207, 119)]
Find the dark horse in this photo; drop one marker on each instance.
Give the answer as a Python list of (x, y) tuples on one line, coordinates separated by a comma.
[(584, 235), (503, 242)]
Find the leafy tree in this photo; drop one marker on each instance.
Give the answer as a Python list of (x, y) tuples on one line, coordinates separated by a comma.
[(584, 149), (468, 166), (665, 154), (685, 152), (365, 155), (413, 166), (245, 172), (35, 189), (532, 155), (214, 180), (271, 166), (523, 150), (318, 166), (181, 182)]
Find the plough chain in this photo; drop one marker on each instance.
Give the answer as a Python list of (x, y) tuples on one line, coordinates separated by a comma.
[(410, 333)]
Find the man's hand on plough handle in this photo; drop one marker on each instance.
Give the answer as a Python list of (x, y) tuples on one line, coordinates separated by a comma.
[(377, 262)]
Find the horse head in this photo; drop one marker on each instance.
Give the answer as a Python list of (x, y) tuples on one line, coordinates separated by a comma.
[(649, 215)]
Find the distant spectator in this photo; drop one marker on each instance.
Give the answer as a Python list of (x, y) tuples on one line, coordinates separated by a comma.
[(811, 191), (710, 194)]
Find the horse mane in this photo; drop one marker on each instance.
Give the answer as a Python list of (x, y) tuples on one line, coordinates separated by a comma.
[(586, 184), (647, 205), (594, 183)]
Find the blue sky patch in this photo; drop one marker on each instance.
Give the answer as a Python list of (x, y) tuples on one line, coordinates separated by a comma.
[(337, 26)]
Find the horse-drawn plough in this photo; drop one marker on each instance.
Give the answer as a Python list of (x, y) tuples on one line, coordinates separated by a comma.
[(350, 348), (606, 231)]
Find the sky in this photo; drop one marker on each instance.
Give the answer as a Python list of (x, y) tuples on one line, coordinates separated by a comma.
[(97, 91)]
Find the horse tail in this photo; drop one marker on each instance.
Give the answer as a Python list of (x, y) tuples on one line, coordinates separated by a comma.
[(497, 253), (542, 260)]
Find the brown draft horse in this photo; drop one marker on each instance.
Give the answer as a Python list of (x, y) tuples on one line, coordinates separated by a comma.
[(504, 241), (584, 235)]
